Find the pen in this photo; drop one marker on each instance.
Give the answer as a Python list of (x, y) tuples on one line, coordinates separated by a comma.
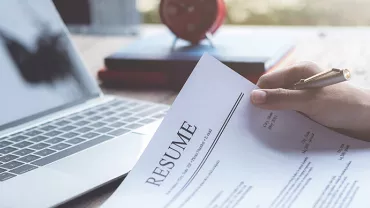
[(323, 79)]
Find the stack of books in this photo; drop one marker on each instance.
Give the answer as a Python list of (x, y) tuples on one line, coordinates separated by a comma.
[(158, 61)]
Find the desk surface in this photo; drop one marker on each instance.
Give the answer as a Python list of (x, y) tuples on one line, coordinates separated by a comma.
[(342, 47)]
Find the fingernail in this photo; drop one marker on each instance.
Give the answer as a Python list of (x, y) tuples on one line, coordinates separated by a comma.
[(258, 96)]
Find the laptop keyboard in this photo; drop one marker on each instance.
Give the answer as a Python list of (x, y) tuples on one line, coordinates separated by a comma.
[(27, 150)]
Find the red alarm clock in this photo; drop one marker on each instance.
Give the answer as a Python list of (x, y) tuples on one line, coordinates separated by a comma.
[(192, 20)]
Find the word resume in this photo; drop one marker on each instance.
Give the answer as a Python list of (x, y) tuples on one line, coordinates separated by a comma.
[(215, 149)]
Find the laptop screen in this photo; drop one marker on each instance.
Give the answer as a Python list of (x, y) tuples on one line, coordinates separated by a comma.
[(40, 70)]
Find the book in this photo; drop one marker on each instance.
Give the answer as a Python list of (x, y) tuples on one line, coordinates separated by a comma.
[(148, 79), (250, 54), (214, 148)]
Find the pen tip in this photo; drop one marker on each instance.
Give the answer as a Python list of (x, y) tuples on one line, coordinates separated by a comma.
[(347, 74)]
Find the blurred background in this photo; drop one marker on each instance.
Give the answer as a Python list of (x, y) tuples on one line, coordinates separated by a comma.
[(282, 12), (123, 16)]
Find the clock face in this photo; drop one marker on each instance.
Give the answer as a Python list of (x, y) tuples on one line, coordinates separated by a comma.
[(192, 19)]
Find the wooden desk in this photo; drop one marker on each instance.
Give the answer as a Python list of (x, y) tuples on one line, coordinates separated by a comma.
[(342, 47)]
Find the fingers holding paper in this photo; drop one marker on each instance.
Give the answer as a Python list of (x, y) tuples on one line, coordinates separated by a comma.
[(340, 106), (286, 77), (280, 98), (275, 94)]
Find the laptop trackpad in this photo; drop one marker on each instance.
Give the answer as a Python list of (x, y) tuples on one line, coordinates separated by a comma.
[(109, 159), (149, 129)]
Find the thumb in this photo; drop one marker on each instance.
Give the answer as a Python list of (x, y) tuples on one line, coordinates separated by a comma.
[(280, 99)]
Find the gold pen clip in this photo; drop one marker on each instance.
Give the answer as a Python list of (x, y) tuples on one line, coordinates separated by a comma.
[(324, 79)]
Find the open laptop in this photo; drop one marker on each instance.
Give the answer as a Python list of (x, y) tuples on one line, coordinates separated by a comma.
[(59, 135)]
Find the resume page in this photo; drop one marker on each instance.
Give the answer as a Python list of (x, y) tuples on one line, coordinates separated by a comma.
[(215, 149)]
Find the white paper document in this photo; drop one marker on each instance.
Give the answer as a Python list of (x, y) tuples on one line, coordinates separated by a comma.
[(215, 149)]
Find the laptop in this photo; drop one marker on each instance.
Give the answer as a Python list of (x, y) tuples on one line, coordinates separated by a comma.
[(60, 136)]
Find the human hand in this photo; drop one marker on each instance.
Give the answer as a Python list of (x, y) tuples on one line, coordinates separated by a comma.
[(342, 107)]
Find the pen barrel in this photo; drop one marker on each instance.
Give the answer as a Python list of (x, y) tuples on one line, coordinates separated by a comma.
[(324, 81)]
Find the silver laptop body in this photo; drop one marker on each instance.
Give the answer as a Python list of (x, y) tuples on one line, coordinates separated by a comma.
[(60, 137)]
